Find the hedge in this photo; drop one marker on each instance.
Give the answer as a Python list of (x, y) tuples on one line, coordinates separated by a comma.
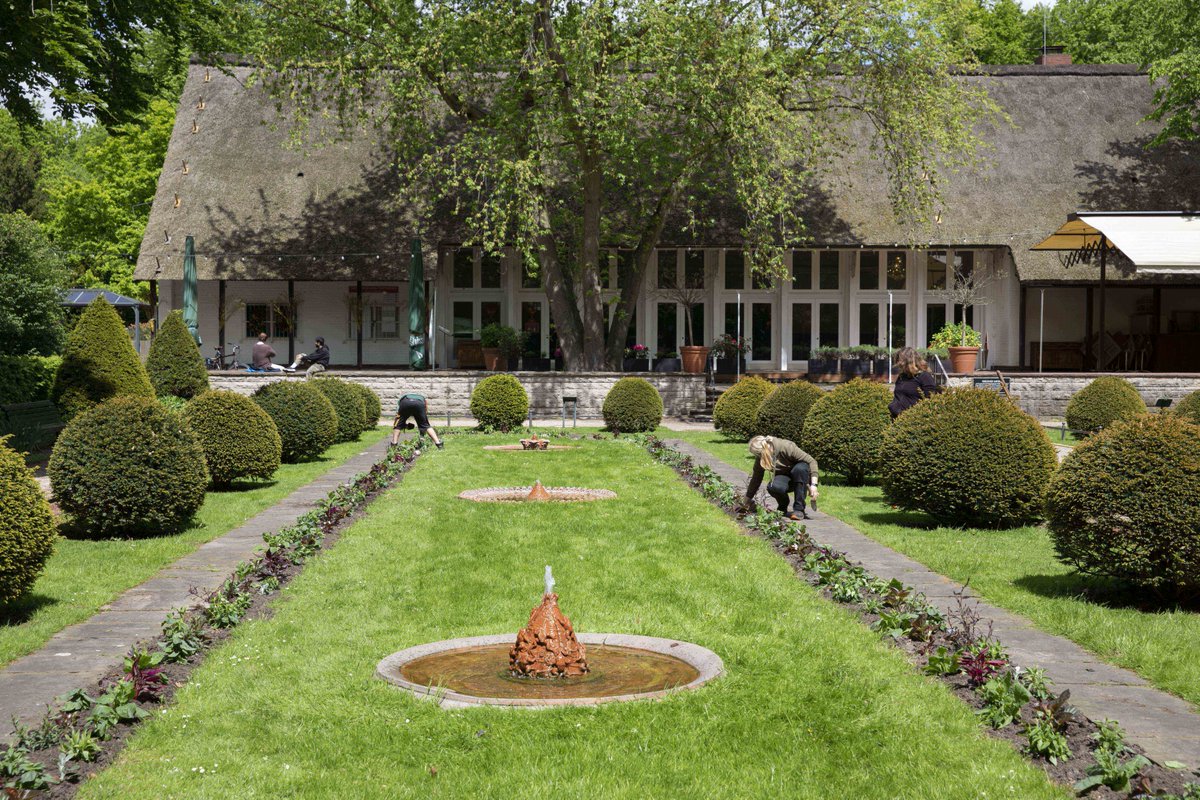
[(1189, 408), (128, 467), (844, 429), (735, 411), (968, 457), (1102, 402), (500, 402), (632, 405), (98, 363), (27, 531), (372, 406), (302, 414), (27, 379), (239, 439), (175, 365), (1126, 504), (351, 416), (783, 412)]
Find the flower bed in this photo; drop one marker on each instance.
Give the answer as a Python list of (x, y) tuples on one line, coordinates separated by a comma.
[(1015, 702), (89, 725)]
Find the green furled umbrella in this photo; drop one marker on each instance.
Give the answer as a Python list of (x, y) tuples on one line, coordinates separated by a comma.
[(191, 307), (416, 309)]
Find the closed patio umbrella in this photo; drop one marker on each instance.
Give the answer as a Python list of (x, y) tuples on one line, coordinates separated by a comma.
[(191, 308), (416, 309)]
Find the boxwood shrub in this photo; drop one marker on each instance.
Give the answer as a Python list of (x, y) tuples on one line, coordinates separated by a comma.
[(967, 457), (175, 365), (1102, 402), (239, 439), (128, 467), (351, 416), (783, 411), (302, 414), (1188, 408), (844, 429), (632, 405), (500, 402), (735, 411), (1126, 504), (98, 363), (27, 530), (372, 406)]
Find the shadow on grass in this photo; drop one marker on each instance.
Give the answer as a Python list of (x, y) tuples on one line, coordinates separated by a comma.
[(70, 529), (23, 608), (901, 519), (245, 485), (1107, 592)]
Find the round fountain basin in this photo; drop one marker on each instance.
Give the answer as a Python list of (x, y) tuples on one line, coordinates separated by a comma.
[(516, 448), (519, 494), (474, 671)]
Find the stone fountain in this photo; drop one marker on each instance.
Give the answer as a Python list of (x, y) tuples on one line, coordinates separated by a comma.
[(536, 493), (549, 664)]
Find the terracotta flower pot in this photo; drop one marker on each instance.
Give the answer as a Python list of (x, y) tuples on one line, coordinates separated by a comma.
[(491, 359), (962, 359), (694, 358)]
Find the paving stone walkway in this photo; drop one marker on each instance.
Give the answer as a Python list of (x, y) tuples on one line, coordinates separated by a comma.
[(80, 655), (1167, 727)]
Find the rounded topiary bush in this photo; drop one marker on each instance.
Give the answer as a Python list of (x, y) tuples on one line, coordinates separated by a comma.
[(734, 413), (1126, 504), (26, 526), (783, 412), (175, 365), (844, 429), (632, 405), (372, 406), (500, 402), (351, 416), (967, 457), (1189, 408), (127, 467), (98, 363), (302, 414), (239, 439), (1102, 402)]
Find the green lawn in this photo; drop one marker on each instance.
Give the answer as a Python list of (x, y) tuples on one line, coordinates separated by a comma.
[(814, 704), (84, 574), (1017, 570)]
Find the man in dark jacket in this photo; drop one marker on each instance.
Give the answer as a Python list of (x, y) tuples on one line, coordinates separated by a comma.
[(316, 362), (794, 471)]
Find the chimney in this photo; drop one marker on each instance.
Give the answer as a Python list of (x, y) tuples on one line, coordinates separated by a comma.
[(1053, 55)]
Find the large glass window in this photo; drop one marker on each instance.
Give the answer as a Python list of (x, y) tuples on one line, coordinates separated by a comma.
[(899, 325), (624, 267), (464, 268), (801, 331), (760, 331), (489, 271), (697, 327), (489, 313), (897, 270), (958, 314), (868, 323), (668, 268), (731, 319), (829, 269), (935, 319), (273, 319), (464, 319), (668, 328), (531, 326), (868, 270), (801, 270), (828, 325), (935, 270), (693, 268), (964, 263), (735, 270)]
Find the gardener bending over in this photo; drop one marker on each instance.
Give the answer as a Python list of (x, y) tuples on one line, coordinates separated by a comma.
[(413, 405), (793, 469)]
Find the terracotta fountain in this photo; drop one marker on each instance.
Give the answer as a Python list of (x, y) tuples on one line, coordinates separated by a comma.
[(537, 493), (547, 646)]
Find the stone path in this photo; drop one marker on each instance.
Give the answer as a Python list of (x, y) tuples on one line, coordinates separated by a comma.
[(1167, 727), (80, 655)]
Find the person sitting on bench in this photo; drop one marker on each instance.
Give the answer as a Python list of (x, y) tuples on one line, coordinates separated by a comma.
[(262, 355), (316, 362)]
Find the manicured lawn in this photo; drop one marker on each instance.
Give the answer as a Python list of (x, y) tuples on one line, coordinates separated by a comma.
[(814, 704), (1017, 570), (84, 574)]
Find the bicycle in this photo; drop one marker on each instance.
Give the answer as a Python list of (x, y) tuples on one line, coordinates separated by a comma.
[(218, 361)]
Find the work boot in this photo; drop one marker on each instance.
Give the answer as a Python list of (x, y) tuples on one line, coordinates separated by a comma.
[(441, 445)]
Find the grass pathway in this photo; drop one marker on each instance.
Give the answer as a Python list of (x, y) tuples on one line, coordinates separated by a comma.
[(84, 574), (1017, 570), (814, 705)]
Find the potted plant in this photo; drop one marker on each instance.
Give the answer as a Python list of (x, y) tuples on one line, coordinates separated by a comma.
[(962, 341), (501, 344), (669, 361), (512, 342), (693, 356), (881, 359), (856, 361), (637, 359), (823, 361), (730, 353)]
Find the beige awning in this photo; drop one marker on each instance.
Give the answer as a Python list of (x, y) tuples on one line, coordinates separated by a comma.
[(1074, 234), (1160, 242)]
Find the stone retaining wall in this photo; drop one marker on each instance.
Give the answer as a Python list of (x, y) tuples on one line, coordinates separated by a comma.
[(1046, 395), (451, 391)]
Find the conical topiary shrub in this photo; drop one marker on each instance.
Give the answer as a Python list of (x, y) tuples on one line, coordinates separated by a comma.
[(98, 363), (783, 412), (175, 365), (1102, 402), (26, 526), (735, 410), (844, 429)]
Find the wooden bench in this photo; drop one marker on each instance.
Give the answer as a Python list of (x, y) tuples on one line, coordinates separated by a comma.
[(33, 425)]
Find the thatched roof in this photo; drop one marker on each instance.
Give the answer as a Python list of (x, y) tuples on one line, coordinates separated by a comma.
[(261, 208)]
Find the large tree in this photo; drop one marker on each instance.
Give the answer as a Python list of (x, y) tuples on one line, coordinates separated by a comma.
[(32, 278), (564, 127)]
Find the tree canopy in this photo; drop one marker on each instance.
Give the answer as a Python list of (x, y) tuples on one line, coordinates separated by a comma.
[(32, 277), (565, 128)]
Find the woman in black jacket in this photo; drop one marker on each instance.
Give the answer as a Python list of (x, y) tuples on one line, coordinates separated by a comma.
[(914, 381)]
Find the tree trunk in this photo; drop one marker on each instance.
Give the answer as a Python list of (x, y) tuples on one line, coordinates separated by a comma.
[(589, 272)]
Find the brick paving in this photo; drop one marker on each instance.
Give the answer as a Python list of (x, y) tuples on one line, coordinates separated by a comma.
[(1165, 726)]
